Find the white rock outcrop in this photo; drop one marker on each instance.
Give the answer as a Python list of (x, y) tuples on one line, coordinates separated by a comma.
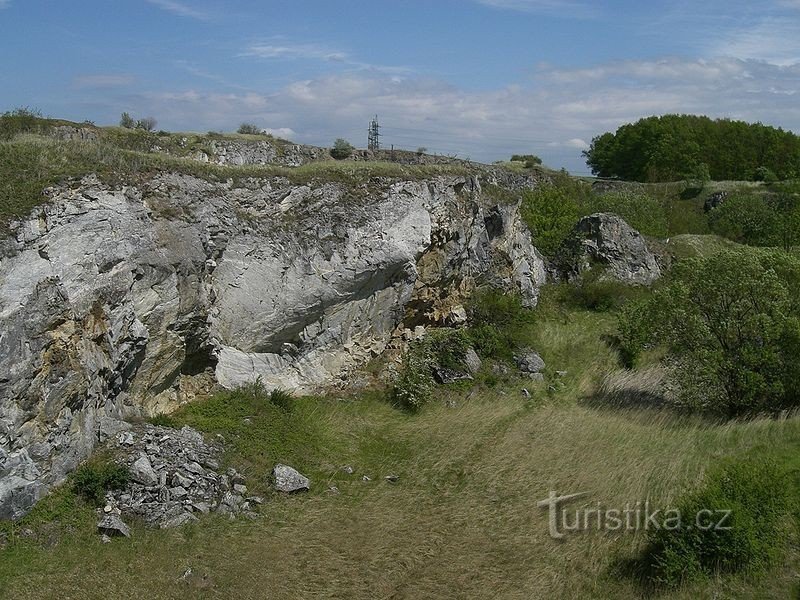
[(125, 302)]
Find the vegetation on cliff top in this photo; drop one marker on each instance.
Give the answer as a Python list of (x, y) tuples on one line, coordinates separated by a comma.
[(675, 147)]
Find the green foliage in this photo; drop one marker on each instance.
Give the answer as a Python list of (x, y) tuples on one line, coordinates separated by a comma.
[(641, 211), (281, 398), (594, 292), (496, 321), (21, 120), (127, 121), (765, 174), (444, 348), (93, 479), (163, 420), (249, 129), (341, 149), (530, 160), (688, 147), (751, 539), (731, 325), (551, 211), (759, 219)]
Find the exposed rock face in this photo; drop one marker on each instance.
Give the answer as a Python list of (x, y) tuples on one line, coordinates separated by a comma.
[(119, 303), (607, 240)]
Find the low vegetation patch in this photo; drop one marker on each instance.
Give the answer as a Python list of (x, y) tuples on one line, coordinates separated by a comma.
[(731, 326), (92, 480), (736, 522)]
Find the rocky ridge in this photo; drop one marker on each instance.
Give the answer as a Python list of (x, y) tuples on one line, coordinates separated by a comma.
[(122, 302)]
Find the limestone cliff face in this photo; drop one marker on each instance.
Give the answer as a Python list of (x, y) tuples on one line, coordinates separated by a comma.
[(124, 302)]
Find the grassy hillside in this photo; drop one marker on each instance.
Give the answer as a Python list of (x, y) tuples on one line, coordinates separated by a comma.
[(462, 520)]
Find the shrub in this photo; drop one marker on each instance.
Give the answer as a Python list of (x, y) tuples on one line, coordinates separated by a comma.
[(641, 211), (127, 121), (551, 211), (281, 398), (530, 160), (594, 292), (749, 540), (746, 218), (341, 149), (147, 124), (249, 129), (92, 480), (730, 324), (21, 120), (421, 150), (164, 421), (444, 348), (765, 174), (497, 320)]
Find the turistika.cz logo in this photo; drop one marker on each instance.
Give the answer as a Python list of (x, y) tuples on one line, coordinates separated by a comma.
[(632, 517)]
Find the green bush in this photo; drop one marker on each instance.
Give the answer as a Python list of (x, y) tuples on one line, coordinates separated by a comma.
[(92, 480), (751, 539), (127, 121), (747, 218), (249, 129), (341, 149), (593, 292), (21, 120), (281, 398), (497, 320), (641, 211), (445, 348), (551, 211), (164, 421), (731, 326)]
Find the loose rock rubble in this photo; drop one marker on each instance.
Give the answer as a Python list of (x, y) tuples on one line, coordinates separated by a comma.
[(174, 476), (530, 363)]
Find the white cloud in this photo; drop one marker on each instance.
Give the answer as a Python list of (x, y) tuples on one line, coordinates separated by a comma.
[(772, 39), (181, 9), (104, 80), (554, 117), (294, 51), (563, 8)]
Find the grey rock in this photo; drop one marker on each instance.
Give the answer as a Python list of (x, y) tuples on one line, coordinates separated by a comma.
[(176, 493), (392, 478), (445, 376), (529, 361), (112, 525), (179, 520), (142, 471), (115, 291), (179, 480), (472, 361), (240, 489), (607, 240), (288, 479)]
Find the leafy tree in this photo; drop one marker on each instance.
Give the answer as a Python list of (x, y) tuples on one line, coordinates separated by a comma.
[(730, 325), (341, 149), (127, 121), (675, 147)]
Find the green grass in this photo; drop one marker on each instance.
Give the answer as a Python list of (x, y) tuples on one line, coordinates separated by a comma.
[(461, 521), (29, 163)]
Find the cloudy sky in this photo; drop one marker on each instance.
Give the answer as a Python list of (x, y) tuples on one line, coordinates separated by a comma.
[(478, 78)]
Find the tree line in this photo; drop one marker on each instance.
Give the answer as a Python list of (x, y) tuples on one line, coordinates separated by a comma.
[(689, 147)]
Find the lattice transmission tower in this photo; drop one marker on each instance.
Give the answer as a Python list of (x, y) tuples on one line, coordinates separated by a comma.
[(374, 135)]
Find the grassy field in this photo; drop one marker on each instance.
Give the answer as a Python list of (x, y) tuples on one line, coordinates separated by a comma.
[(462, 520)]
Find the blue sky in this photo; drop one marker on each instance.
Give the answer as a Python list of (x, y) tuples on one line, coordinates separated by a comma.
[(478, 78)]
